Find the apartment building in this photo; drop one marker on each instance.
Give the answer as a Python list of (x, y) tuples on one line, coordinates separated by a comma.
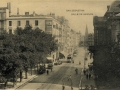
[(47, 23), (90, 39)]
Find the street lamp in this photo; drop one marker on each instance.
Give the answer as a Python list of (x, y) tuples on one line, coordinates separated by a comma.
[(80, 83), (84, 63)]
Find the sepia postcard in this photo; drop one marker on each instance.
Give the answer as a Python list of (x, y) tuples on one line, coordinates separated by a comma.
[(60, 44)]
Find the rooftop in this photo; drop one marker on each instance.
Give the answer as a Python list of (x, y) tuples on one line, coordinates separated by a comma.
[(115, 6), (113, 9)]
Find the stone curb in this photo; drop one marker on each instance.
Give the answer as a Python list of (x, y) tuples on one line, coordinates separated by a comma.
[(23, 84)]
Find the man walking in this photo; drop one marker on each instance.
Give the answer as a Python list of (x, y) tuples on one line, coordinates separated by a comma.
[(63, 87), (47, 72), (87, 76), (76, 70), (84, 71)]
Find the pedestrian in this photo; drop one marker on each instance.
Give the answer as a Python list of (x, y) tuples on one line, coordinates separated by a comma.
[(63, 87), (84, 71), (51, 69), (79, 62), (70, 77), (87, 76), (76, 70), (47, 72)]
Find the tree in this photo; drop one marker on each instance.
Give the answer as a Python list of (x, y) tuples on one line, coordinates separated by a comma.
[(9, 62), (26, 48)]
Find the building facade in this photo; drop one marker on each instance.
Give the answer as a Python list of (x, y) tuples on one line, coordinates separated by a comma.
[(102, 35), (90, 39), (107, 28), (48, 23)]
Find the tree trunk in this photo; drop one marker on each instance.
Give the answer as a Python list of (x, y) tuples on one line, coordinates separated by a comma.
[(26, 75), (35, 70), (31, 70), (14, 79), (5, 83), (39, 64), (20, 76)]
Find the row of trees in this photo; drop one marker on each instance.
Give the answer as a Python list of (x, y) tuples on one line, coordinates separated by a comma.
[(22, 50)]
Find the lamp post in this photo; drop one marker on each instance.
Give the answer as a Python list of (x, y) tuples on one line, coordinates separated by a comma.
[(81, 83), (84, 63), (85, 57)]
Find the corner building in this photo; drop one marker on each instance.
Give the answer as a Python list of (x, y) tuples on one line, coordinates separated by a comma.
[(48, 23)]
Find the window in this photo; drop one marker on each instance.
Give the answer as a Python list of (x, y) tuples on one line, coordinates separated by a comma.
[(19, 23), (10, 31), (56, 26), (36, 22), (10, 23), (27, 22), (48, 22), (53, 26)]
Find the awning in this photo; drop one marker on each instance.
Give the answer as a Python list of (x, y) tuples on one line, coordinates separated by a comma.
[(49, 58), (64, 53), (61, 55)]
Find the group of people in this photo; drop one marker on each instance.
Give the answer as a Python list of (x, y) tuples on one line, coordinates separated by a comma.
[(87, 73)]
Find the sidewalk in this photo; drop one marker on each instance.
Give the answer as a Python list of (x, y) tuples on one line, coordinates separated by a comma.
[(84, 81), (49, 86), (20, 84)]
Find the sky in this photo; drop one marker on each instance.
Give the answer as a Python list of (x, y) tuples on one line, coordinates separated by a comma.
[(86, 10)]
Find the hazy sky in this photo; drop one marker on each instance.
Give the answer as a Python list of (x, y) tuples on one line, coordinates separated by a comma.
[(64, 8)]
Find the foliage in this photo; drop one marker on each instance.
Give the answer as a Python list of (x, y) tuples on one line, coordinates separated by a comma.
[(24, 49)]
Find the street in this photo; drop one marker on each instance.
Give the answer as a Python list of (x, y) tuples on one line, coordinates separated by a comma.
[(60, 75), (60, 45)]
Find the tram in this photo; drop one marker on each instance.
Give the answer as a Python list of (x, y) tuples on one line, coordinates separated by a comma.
[(49, 63), (69, 58)]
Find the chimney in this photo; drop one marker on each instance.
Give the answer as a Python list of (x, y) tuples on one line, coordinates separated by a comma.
[(33, 13), (8, 5), (17, 11), (26, 13), (9, 8), (53, 15)]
